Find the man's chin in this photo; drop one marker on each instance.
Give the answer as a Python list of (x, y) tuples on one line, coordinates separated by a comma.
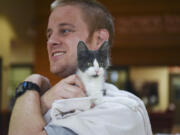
[(63, 73)]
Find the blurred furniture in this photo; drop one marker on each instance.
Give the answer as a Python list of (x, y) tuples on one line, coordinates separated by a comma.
[(163, 122)]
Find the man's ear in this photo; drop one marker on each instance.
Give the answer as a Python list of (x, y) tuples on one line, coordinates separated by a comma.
[(99, 37)]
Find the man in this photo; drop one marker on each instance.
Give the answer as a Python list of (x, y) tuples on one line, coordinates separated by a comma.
[(70, 21)]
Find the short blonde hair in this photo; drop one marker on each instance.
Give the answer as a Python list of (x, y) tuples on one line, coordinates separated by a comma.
[(95, 15)]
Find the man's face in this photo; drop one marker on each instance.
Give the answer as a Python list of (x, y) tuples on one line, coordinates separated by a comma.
[(65, 29)]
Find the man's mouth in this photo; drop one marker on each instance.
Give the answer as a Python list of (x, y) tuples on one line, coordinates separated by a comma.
[(60, 53)]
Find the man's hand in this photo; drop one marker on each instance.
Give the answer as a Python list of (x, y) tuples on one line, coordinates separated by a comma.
[(41, 81), (70, 87)]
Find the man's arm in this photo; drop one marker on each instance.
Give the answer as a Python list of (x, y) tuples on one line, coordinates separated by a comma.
[(26, 117)]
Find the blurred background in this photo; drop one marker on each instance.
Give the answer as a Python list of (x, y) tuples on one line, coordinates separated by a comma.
[(145, 54)]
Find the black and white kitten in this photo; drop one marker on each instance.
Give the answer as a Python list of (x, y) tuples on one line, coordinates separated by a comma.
[(91, 68)]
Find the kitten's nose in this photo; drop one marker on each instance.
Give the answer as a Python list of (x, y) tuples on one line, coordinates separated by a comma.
[(97, 71)]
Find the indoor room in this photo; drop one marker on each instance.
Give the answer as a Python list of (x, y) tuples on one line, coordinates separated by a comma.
[(144, 57)]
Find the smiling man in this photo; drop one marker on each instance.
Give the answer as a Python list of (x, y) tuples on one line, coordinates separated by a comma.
[(63, 33), (69, 22)]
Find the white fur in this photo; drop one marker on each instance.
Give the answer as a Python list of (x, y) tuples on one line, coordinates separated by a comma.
[(93, 85), (94, 88)]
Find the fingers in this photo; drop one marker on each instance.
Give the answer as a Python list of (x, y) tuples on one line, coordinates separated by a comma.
[(46, 83), (70, 79), (79, 83), (74, 80), (70, 87), (71, 91)]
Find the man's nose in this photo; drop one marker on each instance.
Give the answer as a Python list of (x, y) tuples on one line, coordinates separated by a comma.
[(53, 40)]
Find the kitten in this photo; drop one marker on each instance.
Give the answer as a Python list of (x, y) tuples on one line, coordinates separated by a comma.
[(91, 68)]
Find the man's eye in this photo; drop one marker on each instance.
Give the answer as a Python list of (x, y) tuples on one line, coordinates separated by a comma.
[(48, 35), (65, 31)]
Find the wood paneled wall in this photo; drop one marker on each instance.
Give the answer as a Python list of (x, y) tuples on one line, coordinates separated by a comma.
[(147, 33)]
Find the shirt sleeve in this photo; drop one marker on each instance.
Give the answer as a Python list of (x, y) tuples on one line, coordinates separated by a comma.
[(58, 130)]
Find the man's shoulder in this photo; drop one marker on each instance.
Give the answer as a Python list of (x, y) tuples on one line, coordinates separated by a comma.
[(124, 98), (113, 91), (133, 106)]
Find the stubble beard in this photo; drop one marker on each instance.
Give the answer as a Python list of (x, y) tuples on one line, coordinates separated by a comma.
[(64, 71), (67, 72)]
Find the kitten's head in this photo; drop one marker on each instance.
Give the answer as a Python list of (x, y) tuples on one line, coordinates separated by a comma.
[(93, 63)]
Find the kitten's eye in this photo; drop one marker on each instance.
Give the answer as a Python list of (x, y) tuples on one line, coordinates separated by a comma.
[(101, 64), (89, 64)]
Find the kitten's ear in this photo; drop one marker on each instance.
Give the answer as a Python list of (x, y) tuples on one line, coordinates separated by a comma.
[(81, 47), (104, 47)]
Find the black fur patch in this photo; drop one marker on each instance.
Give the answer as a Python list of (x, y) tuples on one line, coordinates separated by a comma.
[(86, 57)]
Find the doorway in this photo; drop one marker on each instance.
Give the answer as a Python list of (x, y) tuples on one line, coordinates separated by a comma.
[(175, 95)]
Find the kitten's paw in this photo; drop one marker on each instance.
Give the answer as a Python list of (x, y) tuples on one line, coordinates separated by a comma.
[(98, 101), (101, 100)]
